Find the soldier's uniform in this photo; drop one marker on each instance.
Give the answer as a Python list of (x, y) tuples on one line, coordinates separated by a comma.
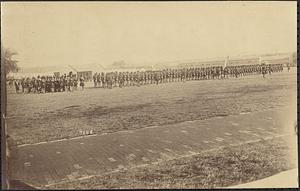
[(115, 78), (270, 69), (82, 83), (156, 77), (126, 78), (264, 70), (95, 79), (75, 83), (17, 86), (121, 79), (103, 78), (98, 79)]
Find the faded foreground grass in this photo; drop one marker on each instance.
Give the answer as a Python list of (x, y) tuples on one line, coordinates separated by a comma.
[(219, 168)]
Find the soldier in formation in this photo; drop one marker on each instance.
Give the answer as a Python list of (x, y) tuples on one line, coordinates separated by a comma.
[(47, 84), (139, 78)]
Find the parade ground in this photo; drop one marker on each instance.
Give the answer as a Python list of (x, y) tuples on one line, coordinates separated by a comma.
[(195, 134)]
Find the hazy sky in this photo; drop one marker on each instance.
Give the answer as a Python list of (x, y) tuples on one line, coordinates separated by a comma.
[(81, 33)]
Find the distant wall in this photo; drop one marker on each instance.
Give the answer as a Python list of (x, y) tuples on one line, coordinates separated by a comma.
[(281, 59)]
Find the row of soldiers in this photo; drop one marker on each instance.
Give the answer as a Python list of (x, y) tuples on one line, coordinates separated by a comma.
[(121, 79), (70, 82), (47, 84)]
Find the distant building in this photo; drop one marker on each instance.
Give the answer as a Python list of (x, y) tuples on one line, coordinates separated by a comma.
[(278, 59), (245, 61)]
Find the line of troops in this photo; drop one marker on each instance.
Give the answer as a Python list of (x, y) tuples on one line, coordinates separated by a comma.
[(70, 82), (137, 78), (48, 84)]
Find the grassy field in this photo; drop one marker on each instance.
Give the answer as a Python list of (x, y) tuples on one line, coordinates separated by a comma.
[(217, 168), (34, 118)]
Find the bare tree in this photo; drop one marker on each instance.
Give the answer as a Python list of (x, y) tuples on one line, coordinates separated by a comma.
[(7, 60)]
